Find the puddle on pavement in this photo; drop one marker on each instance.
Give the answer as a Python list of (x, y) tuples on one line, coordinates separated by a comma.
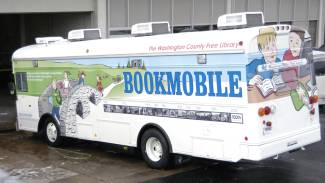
[(34, 175), (71, 154), (6, 178)]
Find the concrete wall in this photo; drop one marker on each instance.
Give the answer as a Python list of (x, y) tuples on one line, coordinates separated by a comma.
[(321, 25), (120, 15), (46, 6), (51, 17)]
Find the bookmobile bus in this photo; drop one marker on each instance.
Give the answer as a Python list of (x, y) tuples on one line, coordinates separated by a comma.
[(245, 91)]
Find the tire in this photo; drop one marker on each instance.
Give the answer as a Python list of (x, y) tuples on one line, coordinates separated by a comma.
[(52, 133), (155, 149)]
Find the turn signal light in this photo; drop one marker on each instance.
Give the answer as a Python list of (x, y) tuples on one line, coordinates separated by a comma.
[(264, 111), (261, 111), (313, 99)]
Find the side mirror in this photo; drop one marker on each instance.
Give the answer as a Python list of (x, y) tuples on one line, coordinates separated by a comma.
[(11, 86)]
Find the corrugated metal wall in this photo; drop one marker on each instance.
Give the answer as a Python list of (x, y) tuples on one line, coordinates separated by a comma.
[(115, 17), (191, 13), (124, 13)]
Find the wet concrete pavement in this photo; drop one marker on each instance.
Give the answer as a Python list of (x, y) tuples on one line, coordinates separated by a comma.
[(27, 159), (7, 110), (298, 167)]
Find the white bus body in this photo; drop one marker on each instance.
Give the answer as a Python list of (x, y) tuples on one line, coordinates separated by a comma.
[(201, 94)]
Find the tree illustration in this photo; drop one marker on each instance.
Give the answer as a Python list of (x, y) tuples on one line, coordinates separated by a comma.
[(144, 66), (128, 65)]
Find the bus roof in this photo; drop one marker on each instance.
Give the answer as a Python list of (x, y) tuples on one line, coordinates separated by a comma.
[(217, 41)]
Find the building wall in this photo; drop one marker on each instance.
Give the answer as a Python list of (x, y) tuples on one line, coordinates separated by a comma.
[(203, 14), (46, 6), (39, 18), (115, 17), (51, 24)]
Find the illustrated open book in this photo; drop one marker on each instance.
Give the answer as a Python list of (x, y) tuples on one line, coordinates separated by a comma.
[(269, 86)]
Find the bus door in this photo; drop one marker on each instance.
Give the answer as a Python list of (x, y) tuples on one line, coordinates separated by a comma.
[(26, 106)]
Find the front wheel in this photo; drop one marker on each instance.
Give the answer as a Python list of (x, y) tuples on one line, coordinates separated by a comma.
[(52, 133), (155, 149)]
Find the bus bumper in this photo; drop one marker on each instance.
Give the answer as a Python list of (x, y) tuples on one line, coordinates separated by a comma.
[(272, 148)]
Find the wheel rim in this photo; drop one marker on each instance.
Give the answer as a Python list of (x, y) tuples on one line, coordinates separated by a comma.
[(154, 149), (51, 132)]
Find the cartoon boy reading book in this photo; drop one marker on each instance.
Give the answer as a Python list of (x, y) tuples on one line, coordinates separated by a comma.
[(267, 81)]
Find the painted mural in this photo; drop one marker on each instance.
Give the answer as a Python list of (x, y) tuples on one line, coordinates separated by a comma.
[(76, 90), (283, 68)]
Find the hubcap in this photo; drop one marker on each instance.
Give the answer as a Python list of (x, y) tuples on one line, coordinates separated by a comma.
[(51, 132), (154, 149)]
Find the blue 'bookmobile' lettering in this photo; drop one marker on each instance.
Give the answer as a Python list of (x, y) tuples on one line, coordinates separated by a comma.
[(184, 83)]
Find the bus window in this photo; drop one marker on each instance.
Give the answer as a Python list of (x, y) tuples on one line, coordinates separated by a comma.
[(21, 81), (319, 68)]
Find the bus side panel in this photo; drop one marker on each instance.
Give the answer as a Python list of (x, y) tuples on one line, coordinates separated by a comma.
[(199, 100), (202, 126)]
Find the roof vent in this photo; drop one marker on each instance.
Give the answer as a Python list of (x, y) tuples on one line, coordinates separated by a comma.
[(240, 20), (84, 34), (48, 40), (150, 28)]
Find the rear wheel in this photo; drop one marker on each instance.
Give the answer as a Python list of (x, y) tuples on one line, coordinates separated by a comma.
[(52, 132), (155, 149)]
